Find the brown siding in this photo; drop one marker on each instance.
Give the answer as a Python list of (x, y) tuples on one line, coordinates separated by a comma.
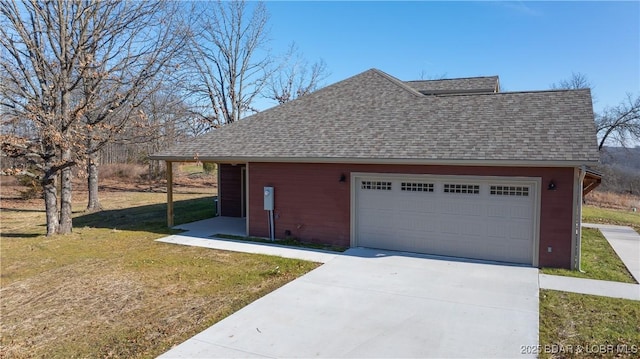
[(230, 190), (314, 205)]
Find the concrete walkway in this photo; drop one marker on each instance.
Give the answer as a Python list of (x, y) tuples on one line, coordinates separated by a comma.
[(590, 286), (202, 234), (248, 247), (626, 243), (208, 227)]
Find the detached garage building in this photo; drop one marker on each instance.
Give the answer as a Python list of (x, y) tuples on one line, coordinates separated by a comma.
[(446, 167)]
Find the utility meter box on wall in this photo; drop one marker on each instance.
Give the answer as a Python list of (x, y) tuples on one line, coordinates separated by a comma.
[(268, 198)]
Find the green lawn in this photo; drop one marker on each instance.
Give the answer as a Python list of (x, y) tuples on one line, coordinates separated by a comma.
[(110, 290), (599, 260), (289, 242), (585, 326), (591, 214)]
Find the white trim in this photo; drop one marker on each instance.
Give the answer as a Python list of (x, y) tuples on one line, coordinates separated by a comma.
[(534, 182), (576, 232), (397, 161)]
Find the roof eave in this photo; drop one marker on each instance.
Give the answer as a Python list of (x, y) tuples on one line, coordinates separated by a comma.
[(390, 161)]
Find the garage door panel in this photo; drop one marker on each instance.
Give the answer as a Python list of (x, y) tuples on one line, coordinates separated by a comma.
[(474, 227), (448, 226), (375, 217), (417, 204), (498, 231), (414, 222), (497, 210), (446, 217), (519, 231), (521, 212)]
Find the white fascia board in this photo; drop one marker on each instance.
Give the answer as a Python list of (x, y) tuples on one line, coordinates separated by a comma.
[(389, 161)]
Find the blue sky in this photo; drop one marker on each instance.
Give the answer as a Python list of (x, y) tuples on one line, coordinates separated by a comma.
[(530, 45)]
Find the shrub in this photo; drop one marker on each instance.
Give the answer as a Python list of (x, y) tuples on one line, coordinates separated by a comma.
[(209, 167), (33, 187)]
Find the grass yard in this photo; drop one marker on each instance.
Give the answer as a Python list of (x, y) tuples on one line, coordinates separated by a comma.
[(110, 290), (599, 260), (592, 214), (585, 326), (289, 242)]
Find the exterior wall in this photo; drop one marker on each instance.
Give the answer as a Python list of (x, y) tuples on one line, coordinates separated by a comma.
[(314, 205), (230, 188)]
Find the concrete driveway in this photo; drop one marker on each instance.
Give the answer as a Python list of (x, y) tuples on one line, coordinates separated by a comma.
[(373, 303)]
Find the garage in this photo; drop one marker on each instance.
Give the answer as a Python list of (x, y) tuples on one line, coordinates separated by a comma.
[(488, 218)]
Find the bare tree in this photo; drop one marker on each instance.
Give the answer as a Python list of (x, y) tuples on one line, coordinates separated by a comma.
[(57, 57), (619, 124), (228, 60), (616, 124), (126, 70), (577, 81), (295, 77), (425, 76)]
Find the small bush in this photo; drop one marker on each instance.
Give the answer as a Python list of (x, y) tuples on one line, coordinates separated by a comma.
[(33, 187), (209, 167)]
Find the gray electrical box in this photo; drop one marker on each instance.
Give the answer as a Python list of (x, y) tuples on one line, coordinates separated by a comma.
[(268, 198)]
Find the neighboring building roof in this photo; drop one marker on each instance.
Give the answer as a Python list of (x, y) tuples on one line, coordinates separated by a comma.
[(487, 84), (373, 117)]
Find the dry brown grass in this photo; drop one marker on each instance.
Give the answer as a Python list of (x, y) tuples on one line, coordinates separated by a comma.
[(130, 171), (109, 290), (613, 200), (128, 305), (46, 310)]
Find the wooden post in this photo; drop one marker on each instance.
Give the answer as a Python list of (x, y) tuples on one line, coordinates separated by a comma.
[(169, 194)]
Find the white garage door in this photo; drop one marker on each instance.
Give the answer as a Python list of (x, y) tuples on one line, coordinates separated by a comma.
[(473, 217)]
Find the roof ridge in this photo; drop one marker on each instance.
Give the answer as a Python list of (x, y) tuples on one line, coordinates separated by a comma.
[(514, 92), (397, 82), (456, 78)]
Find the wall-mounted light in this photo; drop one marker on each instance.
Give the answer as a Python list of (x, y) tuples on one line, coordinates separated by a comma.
[(343, 178), (552, 186)]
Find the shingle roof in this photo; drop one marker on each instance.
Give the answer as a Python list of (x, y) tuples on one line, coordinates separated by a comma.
[(375, 117), (462, 85)]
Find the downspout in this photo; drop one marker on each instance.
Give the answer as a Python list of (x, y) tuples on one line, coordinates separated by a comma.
[(578, 221)]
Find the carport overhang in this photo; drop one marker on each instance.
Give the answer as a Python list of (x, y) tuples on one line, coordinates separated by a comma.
[(169, 174)]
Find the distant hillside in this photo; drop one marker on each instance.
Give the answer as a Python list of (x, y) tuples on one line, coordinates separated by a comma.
[(621, 169), (621, 157)]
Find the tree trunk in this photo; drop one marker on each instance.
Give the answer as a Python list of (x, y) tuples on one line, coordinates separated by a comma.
[(51, 202), (92, 183), (66, 224)]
